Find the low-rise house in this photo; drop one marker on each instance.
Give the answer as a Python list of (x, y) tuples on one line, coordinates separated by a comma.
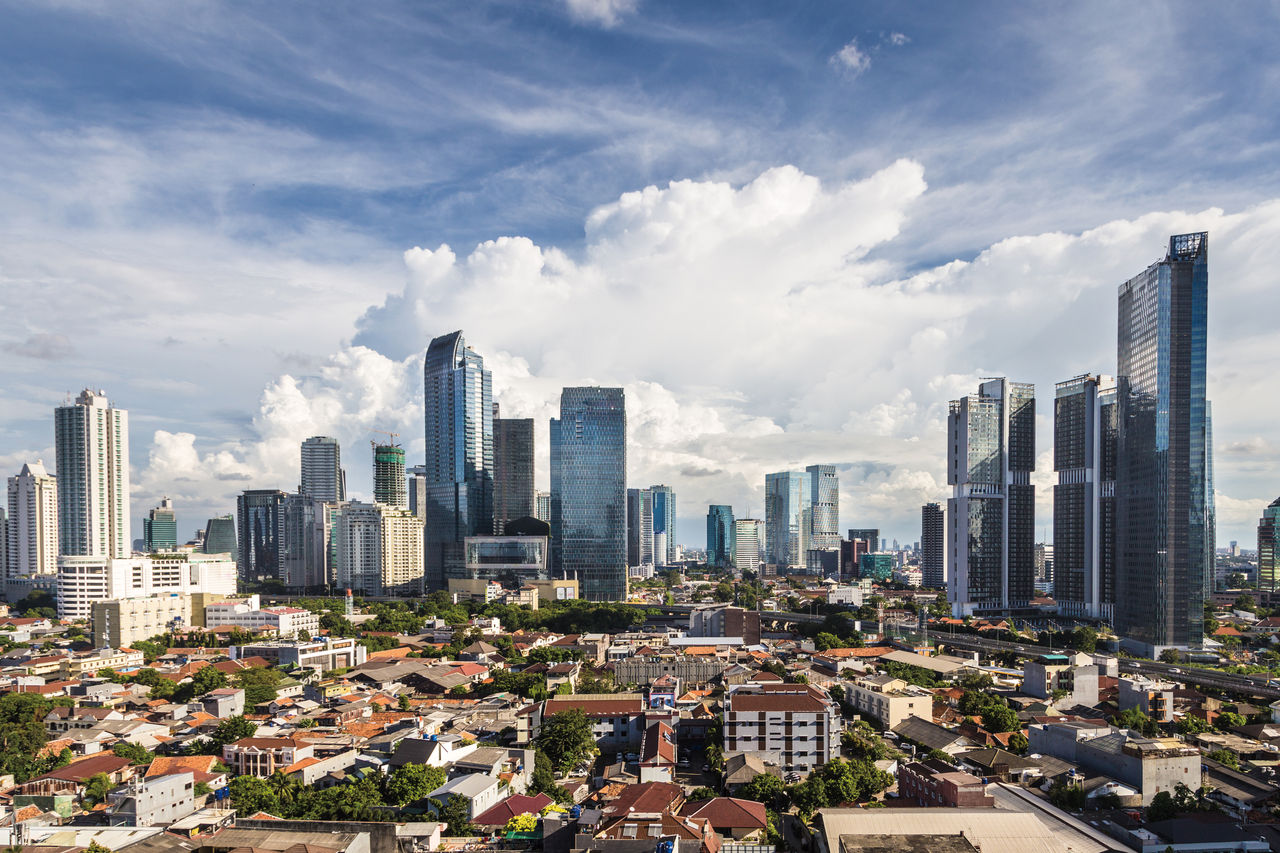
[(1150, 765), (730, 817), (889, 700), (224, 702), (436, 751), (262, 756), (931, 736), (741, 767), (936, 783), (658, 753), (63, 719), (1150, 696), (481, 792), (514, 767), (115, 768), (153, 801), (517, 804)]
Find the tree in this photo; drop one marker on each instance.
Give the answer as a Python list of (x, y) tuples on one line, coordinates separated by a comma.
[(1066, 796), (544, 779), (260, 684), (1132, 718), (1000, 718), (765, 788), (939, 755), (1227, 757), (411, 782), (206, 679), (233, 729), (97, 787), (973, 679), (1189, 725), (567, 738), (1170, 656), (522, 823), (825, 641), (1235, 580), (95, 847), (252, 794), (1018, 743), (1162, 807), (136, 753), (1229, 720), (455, 814), (703, 793), (403, 702)]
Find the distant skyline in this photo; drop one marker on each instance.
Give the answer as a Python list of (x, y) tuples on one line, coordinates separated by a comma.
[(790, 232)]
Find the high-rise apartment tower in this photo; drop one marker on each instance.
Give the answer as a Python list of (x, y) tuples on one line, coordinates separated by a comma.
[(92, 444)]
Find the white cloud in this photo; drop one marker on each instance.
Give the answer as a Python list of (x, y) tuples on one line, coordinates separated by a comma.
[(851, 58), (606, 13), (897, 39)]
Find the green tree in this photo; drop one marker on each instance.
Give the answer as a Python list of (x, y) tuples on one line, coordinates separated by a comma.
[(1132, 718), (1018, 743), (544, 779), (1171, 656), (252, 794), (285, 788), (206, 679), (260, 684), (95, 847), (1066, 796), (455, 816), (825, 641), (403, 703), (765, 788), (1189, 725), (1227, 757), (228, 731), (97, 787), (136, 753), (567, 738), (939, 755), (1162, 807), (411, 782), (1000, 718), (1229, 720)]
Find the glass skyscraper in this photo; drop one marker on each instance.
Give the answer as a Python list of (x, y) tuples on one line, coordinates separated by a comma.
[(160, 528), (991, 452), (1269, 550), (640, 527), (787, 514), (458, 472), (1162, 513), (322, 474), (720, 536), (513, 470), (220, 536), (589, 491), (933, 548), (1085, 432), (664, 525), (260, 523)]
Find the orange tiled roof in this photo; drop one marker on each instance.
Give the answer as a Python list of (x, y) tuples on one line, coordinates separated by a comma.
[(167, 765)]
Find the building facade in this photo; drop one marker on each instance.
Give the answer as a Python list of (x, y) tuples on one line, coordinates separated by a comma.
[(304, 543), (640, 545), (824, 517), (933, 546), (747, 541), (796, 725), (991, 452), (84, 580), (378, 549), (32, 531), (513, 477), (787, 518), (665, 548), (160, 528), (720, 544), (1268, 548), (389, 484), (321, 468), (92, 444), (542, 506), (1162, 503), (588, 491), (220, 536), (510, 560), (259, 521)]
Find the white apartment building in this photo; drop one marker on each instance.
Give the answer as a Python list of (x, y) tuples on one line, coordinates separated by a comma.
[(92, 443), (796, 725), (246, 613), (379, 549), (890, 700), (82, 580), (32, 533), (747, 538)]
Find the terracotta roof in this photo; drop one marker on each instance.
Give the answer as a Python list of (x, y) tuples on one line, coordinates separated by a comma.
[(79, 771), (267, 742), (781, 702), (595, 707), (648, 797), (729, 813), (167, 765), (391, 654)]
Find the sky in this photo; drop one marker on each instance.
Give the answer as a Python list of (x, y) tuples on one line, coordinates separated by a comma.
[(791, 231)]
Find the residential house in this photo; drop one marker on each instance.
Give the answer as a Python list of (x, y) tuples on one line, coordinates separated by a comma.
[(797, 725), (481, 792), (658, 753), (730, 817), (889, 700), (617, 719), (153, 801), (224, 702), (262, 756)]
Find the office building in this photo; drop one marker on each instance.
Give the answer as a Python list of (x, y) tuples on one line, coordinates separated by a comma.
[(248, 613), (458, 412), (304, 544), (991, 514), (824, 519), (31, 541), (796, 726), (258, 519), (722, 620), (92, 444), (720, 536), (1042, 560), (542, 507), (787, 518), (640, 544), (389, 484), (589, 491), (1162, 515), (1085, 432), (747, 542), (83, 580), (220, 535), (512, 561), (322, 474), (878, 565), (378, 549), (160, 528), (933, 547), (512, 470), (665, 549), (1268, 549)]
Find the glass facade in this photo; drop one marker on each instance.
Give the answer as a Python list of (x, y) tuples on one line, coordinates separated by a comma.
[(160, 528), (1269, 549), (322, 474), (664, 523), (720, 536), (787, 518), (509, 560), (933, 559), (258, 516), (458, 471), (589, 491), (1162, 515), (824, 518), (304, 553), (513, 470), (640, 542), (220, 535)]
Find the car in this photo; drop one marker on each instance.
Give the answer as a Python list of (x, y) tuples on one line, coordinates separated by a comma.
[(1176, 671), (706, 768), (684, 762)]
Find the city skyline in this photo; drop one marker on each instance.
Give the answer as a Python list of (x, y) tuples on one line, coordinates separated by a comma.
[(884, 193)]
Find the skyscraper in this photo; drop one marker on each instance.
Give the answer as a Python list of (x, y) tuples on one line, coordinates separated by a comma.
[(260, 527), (32, 531), (92, 444), (640, 545), (824, 492), (160, 528), (787, 514), (1269, 550), (417, 477), (304, 554), (322, 474), (991, 454), (389, 484), (720, 536), (542, 506), (1084, 506), (1162, 516), (513, 469), (746, 544), (589, 491), (458, 410), (220, 536), (933, 546), (664, 525)]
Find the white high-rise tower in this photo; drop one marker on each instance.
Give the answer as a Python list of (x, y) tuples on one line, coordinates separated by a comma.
[(92, 442), (33, 522)]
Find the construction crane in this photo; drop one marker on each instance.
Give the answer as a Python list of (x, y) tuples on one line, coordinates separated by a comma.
[(391, 435)]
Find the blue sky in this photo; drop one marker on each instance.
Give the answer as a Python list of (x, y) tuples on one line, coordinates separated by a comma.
[(231, 217)]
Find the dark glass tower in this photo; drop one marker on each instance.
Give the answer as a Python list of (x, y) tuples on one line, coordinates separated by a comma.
[(220, 536), (664, 525), (640, 527), (589, 491), (1269, 550), (258, 516), (720, 536), (458, 472), (160, 528), (513, 470), (1084, 507), (1162, 515), (933, 548), (990, 536)]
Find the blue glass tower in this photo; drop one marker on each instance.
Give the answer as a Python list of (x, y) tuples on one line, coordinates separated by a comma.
[(458, 472), (720, 536), (788, 513), (589, 491), (664, 524), (1163, 517)]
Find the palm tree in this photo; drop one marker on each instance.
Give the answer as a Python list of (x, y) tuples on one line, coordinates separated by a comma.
[(284, 787)]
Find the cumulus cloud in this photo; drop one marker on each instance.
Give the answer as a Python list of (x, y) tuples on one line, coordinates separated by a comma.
[(44, 346), (851, 59), (756, 328), (606, 13)]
